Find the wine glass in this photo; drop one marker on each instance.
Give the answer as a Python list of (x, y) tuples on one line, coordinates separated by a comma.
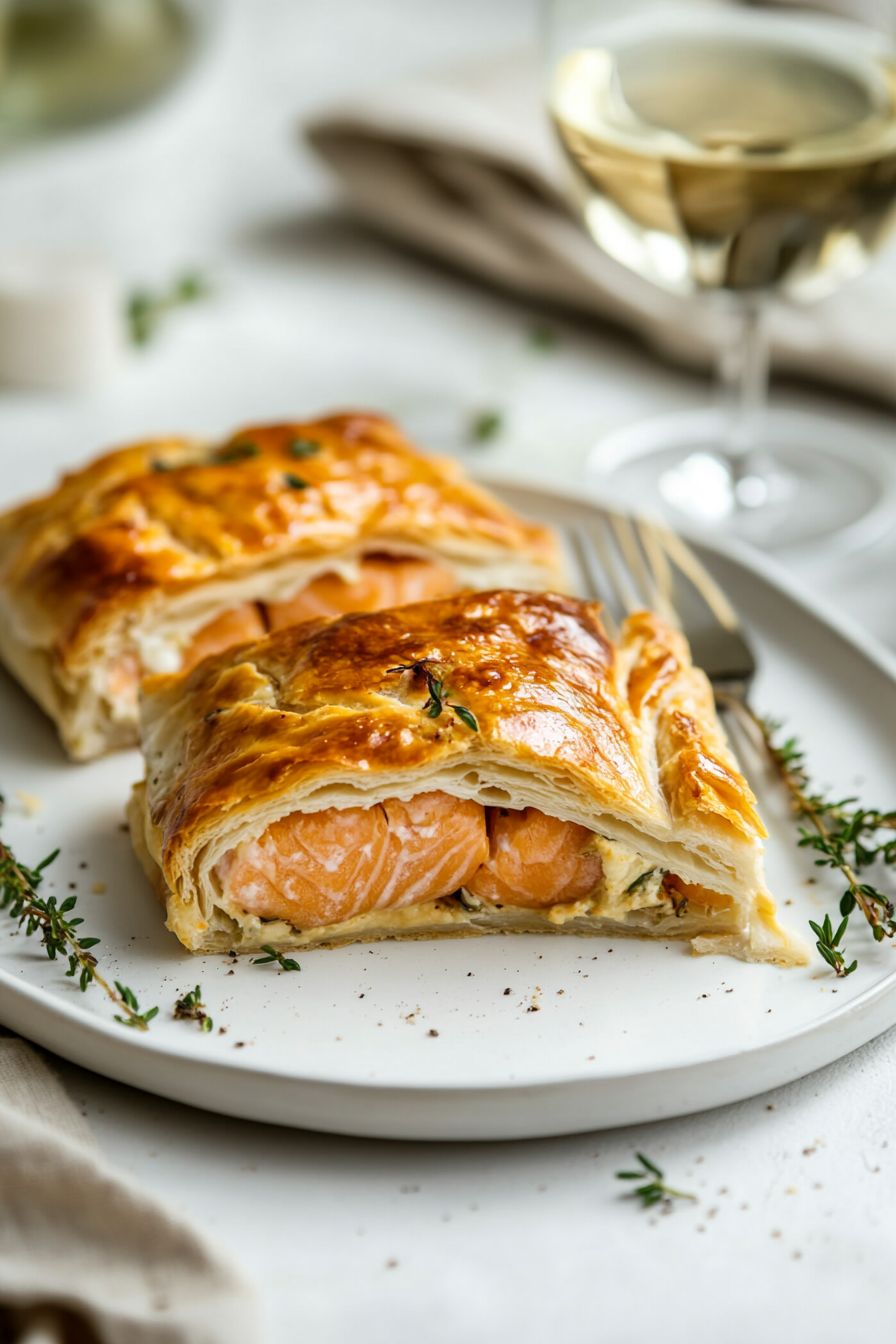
[(726, 152)]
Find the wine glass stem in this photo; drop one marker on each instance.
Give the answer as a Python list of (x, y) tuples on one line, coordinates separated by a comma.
[(743, 375)]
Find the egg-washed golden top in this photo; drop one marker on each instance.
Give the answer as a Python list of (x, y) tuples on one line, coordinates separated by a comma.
[(168, 513), (631, 726)]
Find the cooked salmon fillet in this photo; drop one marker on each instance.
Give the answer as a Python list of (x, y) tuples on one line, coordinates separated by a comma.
[(237, 626), (383, 581), (319, 868), (535, 860)]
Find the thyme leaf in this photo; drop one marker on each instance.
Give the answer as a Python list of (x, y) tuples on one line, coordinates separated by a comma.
[(542, 337), (653, 1189), (466, 716), (285, 963), (59, 930), (190, 1008), (437, 697), (845, 837), (486, 425), (237, 452), (146, 308), (304, 447)]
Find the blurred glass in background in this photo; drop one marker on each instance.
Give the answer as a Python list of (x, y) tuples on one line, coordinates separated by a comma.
[(66, 63), (734, 152)]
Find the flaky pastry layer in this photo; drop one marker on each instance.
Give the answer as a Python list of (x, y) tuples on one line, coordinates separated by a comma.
[(133, 554), (622, 739)]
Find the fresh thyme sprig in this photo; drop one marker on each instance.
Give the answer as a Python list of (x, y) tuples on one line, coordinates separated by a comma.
[(145, 309), (190, 1008), (653, 1189), (437, 695), (845, 837), (132, 1016), (828, 940), (285, 963), (59, 927)]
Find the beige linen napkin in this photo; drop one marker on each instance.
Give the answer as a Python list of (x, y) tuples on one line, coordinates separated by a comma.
[(462, 164), (86, 1257)]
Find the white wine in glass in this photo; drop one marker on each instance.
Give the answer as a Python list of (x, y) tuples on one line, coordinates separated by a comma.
[(728, 151)]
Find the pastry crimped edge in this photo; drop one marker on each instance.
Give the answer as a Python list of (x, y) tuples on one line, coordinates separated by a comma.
[(684, 803), (69, 605)]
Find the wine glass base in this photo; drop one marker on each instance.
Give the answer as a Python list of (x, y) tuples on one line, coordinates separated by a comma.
[(815, 479)]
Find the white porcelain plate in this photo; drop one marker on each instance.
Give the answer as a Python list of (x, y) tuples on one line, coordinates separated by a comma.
[(489, 1038)]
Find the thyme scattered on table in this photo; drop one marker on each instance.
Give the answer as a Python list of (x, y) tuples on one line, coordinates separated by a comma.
[(437, 700), (542, 337), (285, 963), (845, 837), (190, 1008), (653, 1188), (145, 308), (486, 425), (59, 930)]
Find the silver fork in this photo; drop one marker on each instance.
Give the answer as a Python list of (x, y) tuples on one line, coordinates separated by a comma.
[(630, 564)]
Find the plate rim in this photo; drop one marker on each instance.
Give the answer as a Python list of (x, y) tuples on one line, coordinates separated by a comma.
[(91, 1029)]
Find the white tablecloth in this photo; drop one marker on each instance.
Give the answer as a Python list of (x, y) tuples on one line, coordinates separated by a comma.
[(380, 1242)]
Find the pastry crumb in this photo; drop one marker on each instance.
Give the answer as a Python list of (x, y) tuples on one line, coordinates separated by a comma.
[(30, 803)]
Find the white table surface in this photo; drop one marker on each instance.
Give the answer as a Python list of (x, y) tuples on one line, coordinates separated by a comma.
[(374, 1241)]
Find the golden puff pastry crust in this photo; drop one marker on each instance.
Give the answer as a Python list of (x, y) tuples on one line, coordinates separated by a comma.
[(620, 739), (113, 573)]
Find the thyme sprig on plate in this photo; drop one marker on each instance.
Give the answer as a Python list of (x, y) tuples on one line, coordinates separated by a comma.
[(437, 700), (190, 1008), (653, 1188), (285, 963), (844, 836), (59, 930)]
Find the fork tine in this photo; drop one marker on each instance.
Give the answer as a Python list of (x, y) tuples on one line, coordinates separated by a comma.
[(598, 585), (647, 564), (705, 614), (619, 576), (630, 564), (699, 577), (661, 570)]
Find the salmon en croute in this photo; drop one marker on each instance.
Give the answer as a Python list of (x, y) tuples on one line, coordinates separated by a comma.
[(154, 556), (475, 763)]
